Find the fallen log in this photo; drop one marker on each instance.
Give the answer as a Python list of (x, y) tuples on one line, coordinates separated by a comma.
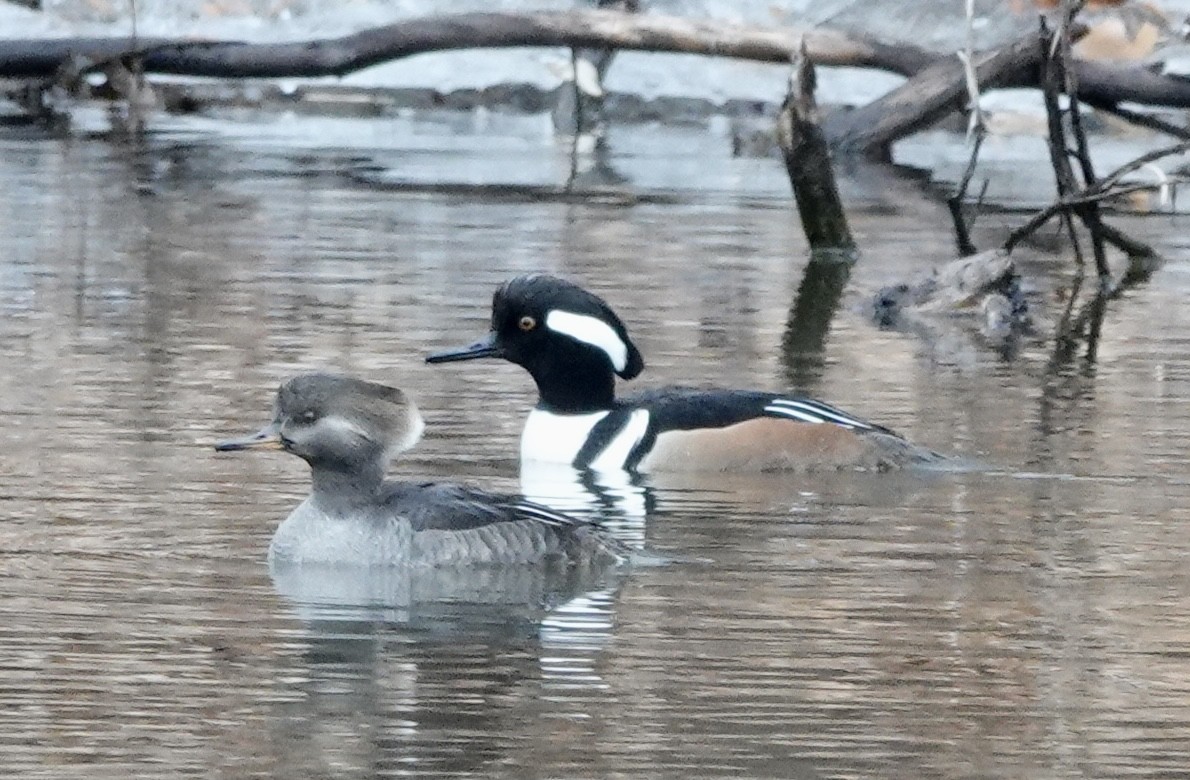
[(1098, 83), (575, 29), (927, 97)]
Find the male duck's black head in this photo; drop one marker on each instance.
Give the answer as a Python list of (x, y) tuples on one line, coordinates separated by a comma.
[(568, 339), (336, 423)]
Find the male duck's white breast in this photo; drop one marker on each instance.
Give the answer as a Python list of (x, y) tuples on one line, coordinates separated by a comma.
[(558, 438)]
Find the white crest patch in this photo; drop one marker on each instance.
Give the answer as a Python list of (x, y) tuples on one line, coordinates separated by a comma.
[(341, 425), (416, 426), (590, 330)]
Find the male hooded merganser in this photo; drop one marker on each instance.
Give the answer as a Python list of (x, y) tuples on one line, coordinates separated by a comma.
[(574, 346), (348, 430)]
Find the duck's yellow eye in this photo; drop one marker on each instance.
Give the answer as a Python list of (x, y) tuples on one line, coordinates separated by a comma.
[(527, 323)]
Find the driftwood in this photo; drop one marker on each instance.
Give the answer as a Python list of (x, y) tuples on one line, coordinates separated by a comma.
[(808, 162), (985, 286), (960, 309), (927, 97), (941, 74), (576, 29)]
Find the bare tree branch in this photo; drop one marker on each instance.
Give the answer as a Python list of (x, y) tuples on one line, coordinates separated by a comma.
[(1142, 120)]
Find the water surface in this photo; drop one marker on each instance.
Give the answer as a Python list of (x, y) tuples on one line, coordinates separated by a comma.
[(1027, 619)]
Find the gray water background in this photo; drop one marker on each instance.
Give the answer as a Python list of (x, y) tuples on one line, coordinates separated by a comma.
[(1026, 619)]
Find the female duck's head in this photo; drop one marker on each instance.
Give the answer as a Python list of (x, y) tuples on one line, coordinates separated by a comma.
[(337, 423)]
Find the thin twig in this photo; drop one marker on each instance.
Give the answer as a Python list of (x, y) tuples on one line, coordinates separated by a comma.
[(975, 124), (1105, 188), (1099, 195), (1063, 206), (1110, 180), (1050, 89), (955, 202), (1141, 120), (976, 130), (1088, 212), (578, 95)]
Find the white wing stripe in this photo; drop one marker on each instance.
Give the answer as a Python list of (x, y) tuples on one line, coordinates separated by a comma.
[(803, 416), (545, 515), (813, 412)]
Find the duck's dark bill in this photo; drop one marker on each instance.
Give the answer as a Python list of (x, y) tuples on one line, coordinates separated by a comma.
[(481, 349), (268, 438)]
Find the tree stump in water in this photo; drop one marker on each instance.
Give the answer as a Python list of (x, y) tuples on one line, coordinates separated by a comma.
[(808, 162)]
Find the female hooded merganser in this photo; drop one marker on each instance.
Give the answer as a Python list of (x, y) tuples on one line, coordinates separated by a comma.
[(574, 346), (348, 430)]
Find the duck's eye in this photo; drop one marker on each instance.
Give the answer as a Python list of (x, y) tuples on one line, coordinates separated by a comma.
[(527, 323), (308, 416)]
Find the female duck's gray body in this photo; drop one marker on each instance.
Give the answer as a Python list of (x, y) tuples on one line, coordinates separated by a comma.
[(348, 430), (432, 525)]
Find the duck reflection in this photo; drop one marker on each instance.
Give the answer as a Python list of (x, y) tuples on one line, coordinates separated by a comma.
[(618, 500), (428, 670), (432, 612)]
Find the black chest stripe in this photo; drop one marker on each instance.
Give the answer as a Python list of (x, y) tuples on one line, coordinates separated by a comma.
[(603, 434), (643, 446)]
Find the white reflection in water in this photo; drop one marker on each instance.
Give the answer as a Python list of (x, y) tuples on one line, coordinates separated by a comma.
[(616, 499)]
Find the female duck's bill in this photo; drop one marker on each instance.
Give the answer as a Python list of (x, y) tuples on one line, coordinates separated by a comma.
[(267, 438)]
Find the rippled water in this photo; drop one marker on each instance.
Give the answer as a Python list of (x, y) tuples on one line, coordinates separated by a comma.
[(1027, 619)]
